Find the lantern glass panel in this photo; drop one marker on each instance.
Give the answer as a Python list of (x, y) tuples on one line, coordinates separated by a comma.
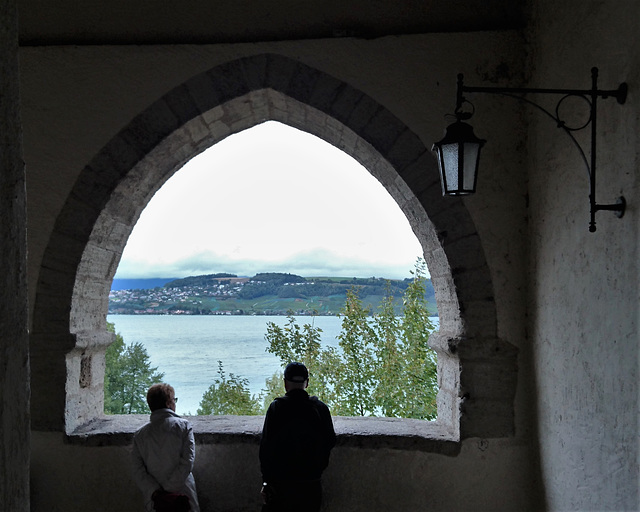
[(450, 163), (471, 154)]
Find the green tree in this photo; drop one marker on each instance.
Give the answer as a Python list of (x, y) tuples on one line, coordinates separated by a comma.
[(229, 395), (420, 369), (302, 344), (355, 386), (274, 389), (384, 365), (128, 376), (388, 393)]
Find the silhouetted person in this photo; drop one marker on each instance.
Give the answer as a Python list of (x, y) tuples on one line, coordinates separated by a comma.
[(163, 454), (297, 439)]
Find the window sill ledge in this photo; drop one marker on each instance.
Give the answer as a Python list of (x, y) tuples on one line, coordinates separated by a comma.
[(368, 433)]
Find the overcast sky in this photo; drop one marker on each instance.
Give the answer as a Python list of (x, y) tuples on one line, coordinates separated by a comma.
[(271, 199)]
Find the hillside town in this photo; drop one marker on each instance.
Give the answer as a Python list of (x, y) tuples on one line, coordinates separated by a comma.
[(263, 294), (176, 300)]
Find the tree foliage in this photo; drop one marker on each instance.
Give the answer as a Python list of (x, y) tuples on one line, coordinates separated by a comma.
[(355, 384), (128, 376), (228, 395), (381, 367), (295, 343)]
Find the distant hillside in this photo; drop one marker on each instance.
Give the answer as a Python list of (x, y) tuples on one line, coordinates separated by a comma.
[(140, 284), (263, 294), (204, 281)]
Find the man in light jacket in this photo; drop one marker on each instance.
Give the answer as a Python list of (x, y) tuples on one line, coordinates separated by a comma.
[(164, 451)]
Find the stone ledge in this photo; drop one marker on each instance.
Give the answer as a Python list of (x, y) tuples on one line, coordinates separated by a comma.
[(370, 433)]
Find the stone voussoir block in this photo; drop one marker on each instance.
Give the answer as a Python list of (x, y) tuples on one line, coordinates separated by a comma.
[(117, 157), (260, 106), (90, 288), (95, 339), (325, 92), (228, 81), (362, 114), (114, 235), (468, 251), (302, 83), (76, 218), (279, 72), (202, 91), (421, 173), (62, 254), (150, 127), (445, 288), (449, 314), (220, 130), (97, 181), (123, 206), (55, 281), (237, 110), (91, 317), (382, 130), (448, 373), (181, 104), (342, 137), (254, 71), (406, 149), (344, 104), (198, 132)]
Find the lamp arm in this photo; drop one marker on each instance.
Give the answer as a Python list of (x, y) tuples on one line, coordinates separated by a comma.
[(514, 92), (560, 124)]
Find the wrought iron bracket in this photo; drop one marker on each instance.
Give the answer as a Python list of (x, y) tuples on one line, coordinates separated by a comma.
[(590, 96)]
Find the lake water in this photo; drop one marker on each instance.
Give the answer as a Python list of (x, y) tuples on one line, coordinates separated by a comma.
[(187, 348)]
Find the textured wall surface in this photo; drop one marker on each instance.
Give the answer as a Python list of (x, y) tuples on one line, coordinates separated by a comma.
[(14, 358), (564, 302), (357, 480), (584, 311)]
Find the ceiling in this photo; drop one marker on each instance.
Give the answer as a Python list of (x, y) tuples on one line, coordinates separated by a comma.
[(96, 22)]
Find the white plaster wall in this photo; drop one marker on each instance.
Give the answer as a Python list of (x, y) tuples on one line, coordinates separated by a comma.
[(76, 98), (67, 477), (584, 286)]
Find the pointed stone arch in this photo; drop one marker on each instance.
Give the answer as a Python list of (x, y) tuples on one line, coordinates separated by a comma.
[(69, 326)]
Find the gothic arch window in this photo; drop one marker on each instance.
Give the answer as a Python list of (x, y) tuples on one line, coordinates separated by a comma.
[(69, 334)]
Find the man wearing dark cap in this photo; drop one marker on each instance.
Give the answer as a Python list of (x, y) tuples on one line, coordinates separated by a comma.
[(297, 439)]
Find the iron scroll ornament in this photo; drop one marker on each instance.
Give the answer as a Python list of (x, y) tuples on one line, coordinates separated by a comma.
[(590, 96)]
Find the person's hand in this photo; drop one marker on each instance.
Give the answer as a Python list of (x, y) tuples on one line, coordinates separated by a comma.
[(159, 491), (267, 493)]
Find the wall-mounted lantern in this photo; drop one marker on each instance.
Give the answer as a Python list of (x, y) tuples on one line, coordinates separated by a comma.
[(459, 151)]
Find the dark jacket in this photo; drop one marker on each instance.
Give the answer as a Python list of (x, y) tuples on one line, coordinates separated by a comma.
[(297, 438)]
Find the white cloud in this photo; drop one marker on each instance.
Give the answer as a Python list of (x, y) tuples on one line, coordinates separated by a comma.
[(320, 262), (271, 198)]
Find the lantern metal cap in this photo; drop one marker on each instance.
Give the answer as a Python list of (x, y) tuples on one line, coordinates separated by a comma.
[(458, 133)]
